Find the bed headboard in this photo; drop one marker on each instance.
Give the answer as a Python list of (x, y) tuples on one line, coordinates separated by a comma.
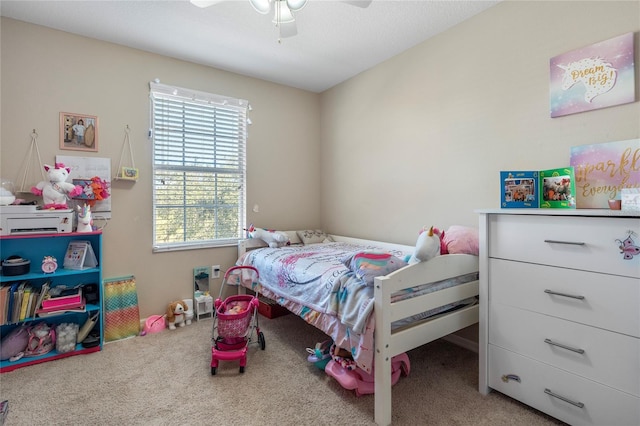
[(254, 243)]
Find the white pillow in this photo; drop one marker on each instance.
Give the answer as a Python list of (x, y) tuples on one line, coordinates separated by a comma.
[(311, 236)]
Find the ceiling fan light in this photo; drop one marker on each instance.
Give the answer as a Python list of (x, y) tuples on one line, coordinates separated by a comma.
[(204, 3), (296, 5), (261, 6), (282, 14)]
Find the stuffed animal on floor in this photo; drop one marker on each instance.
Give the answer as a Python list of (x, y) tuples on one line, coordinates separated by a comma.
[(176, 314), (428, 246), (56, 190), (273, 238)]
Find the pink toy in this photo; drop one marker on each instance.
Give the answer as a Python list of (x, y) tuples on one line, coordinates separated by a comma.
[(362, 382), (460, 240), (443, 245), (56, 191)]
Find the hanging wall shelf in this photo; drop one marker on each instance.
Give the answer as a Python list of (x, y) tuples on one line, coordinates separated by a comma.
[(126, 172), (23, 186)]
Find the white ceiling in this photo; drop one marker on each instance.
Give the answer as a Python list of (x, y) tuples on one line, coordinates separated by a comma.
[(335, 40)]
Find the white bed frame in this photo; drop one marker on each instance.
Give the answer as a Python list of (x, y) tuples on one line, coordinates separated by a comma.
[(389, 344)]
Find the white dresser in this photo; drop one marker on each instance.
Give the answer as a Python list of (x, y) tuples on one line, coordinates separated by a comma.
[(560, 312)]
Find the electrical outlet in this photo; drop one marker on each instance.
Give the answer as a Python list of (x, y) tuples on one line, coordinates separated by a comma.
[(215, 271)]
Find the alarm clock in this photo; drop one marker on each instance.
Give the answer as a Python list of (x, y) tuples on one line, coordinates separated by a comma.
[(49, 264)]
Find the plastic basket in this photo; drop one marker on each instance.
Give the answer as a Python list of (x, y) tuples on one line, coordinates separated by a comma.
[(154, 324)]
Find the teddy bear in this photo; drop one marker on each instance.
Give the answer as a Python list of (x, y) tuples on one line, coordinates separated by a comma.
[(176, 314), (56, 190), (273, 238)]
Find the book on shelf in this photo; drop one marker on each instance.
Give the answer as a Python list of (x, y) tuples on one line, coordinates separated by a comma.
[(72, 297), (24, 303), (4, 292), (31, 309), (80, 255), (44, 292), (61, 309), (17, 301)]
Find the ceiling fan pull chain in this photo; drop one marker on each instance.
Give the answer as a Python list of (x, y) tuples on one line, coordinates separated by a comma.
[(278, 21)]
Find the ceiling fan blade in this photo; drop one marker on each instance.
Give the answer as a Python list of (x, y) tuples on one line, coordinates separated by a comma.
[(204, 3), (288, 29), (359, 3)]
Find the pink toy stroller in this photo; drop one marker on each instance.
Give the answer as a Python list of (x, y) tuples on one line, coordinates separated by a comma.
[(235, 320)]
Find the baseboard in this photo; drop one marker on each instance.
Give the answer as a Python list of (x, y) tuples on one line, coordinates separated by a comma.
[(462, 342)]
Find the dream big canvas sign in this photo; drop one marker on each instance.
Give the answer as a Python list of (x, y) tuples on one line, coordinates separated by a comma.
[(597, 76)]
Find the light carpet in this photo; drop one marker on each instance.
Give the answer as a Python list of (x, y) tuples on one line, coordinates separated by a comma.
[(165, 379)]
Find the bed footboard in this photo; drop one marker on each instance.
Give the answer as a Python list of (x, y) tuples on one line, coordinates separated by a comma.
[(389, 343)]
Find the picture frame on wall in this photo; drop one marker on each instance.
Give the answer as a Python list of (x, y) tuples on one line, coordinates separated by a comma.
[(78, 132)]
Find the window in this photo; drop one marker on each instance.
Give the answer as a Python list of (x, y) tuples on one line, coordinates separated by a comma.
[(199, 168)]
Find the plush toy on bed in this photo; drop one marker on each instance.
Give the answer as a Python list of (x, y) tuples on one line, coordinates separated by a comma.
[(176, 314), (428, 246), (443, 244), (273, 238), (56, 190), (459, 240)]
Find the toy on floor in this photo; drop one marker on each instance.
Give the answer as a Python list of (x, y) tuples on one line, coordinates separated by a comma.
[(176, 315), (56, 190), (235, 320), (320, 355), (362, 382)]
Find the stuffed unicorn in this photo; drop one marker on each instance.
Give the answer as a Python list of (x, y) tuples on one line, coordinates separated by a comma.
[(427, 247), (56, 190), (273, 238), (85, 221)]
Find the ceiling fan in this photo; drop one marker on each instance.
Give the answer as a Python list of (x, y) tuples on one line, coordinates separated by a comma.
[(283, 17)]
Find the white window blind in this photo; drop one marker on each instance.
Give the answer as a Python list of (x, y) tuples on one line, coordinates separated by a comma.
[(199, 168)]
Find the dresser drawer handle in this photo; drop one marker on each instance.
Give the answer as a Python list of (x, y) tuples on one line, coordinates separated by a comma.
[(555, 293), (555, 395), (506, 377), (560, 345), (573, 243)]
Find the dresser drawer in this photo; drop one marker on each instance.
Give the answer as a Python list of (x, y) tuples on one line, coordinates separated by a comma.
[(576, 242), (612, 359), (606, 301), (602, 405)]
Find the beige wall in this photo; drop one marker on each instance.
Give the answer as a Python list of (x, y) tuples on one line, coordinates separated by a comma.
[(420, 139), (45, 72), (417, 140)]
